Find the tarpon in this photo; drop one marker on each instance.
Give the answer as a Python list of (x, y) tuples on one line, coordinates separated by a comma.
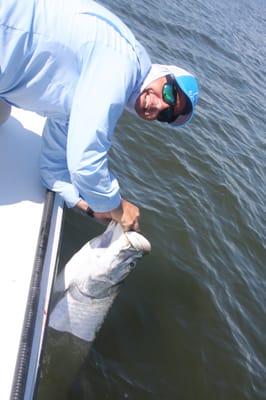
[(90, 281)]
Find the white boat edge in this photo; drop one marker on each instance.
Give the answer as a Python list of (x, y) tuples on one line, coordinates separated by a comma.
[(45, 262)]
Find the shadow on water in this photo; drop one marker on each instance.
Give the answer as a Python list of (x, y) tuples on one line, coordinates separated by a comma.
[(63, 359)]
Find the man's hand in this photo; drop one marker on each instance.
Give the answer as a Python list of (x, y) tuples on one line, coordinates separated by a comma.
[(127, 214)]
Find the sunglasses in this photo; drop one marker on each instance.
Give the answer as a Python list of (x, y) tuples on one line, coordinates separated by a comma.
[(169, 95)]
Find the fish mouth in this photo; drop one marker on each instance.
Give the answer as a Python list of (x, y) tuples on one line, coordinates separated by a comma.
[(138, 242)]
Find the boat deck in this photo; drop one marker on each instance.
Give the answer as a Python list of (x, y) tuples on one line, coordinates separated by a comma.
[(21, 210)]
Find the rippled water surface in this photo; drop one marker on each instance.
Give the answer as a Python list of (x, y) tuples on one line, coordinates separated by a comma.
[(190, 322)]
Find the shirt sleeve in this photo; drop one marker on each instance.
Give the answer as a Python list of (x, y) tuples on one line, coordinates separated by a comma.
[(53, 166), (101, 93)]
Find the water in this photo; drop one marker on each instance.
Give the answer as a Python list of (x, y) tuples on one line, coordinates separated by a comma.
[(190, 322)]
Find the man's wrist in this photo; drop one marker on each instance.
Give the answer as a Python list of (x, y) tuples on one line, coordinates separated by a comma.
[(90, 212)]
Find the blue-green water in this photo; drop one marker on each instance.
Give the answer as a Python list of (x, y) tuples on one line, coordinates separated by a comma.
[(190, 322)]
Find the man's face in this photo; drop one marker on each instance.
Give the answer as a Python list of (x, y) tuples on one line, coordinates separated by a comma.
[(150, 101)]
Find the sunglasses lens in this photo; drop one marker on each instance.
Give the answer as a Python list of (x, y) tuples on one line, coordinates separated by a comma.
[(169, 94)]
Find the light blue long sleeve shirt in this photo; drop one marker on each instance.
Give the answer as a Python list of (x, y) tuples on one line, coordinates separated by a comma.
[(76, 63)]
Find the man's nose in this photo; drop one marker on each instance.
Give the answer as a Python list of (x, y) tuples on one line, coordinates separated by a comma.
[(161, 105)]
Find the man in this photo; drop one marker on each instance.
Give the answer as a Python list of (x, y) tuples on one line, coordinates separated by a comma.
[(77, 64)]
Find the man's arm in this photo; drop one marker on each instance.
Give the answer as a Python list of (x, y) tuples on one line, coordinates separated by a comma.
[(98, 103), (55, 176)]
